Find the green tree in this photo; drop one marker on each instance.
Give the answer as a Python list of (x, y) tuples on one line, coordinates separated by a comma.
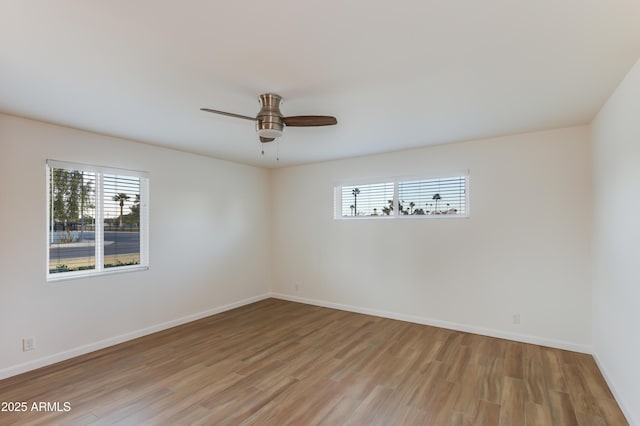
[(401, 209), (71, 195), (134, 216), (387, 210), (74, 201), (121, 198), (58, 191)]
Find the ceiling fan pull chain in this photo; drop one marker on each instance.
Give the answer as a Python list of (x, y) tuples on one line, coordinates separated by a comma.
[(261, 147)]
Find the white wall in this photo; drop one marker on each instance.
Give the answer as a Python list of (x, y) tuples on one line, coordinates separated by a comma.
[(209, 232), (616, 289), (525, 249)]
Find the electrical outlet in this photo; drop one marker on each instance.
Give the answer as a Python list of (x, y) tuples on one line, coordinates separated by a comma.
[(28, 344), (516, 318)]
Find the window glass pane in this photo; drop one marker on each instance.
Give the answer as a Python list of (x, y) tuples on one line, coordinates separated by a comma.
[(367, 200), (433, 196), (71, 220), (121, 220)]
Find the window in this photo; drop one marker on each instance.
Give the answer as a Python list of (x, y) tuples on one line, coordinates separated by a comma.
[(97, 220), (437, 197), (367, 200), (433, 196)]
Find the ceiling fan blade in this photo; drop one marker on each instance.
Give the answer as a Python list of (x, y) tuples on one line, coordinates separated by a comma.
[(309, 120), (266, 139), (230, 114)]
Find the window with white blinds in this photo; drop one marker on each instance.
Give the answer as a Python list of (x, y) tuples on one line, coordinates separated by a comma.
[(433, 196), (367, 200), (97, 220), (404, 197)]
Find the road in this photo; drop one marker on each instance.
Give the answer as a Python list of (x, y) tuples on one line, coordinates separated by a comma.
[(116, 243)]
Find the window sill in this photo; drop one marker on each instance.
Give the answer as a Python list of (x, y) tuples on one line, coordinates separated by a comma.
[(65, 276), (405, 217)]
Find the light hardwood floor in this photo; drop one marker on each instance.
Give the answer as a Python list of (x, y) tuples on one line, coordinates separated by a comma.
[(276, 362)]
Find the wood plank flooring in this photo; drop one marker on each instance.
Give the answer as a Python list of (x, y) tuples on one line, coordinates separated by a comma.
[(276, 362)]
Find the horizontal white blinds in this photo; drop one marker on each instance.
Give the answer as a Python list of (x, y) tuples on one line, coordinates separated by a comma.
[(367, 200), (72, 194), (405, 197), (121, 220), (95, 169), (433, 196), (120, 191)]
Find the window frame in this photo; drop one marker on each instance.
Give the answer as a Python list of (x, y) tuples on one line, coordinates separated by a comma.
[(99, 171), (337, 208)]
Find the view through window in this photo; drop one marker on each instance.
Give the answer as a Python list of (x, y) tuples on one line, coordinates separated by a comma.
[(97, 219), (436, 197)]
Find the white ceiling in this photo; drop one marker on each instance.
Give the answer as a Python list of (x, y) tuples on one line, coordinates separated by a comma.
[(396, 74)]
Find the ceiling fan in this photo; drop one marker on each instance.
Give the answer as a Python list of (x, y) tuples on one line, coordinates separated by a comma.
[(270, 122)]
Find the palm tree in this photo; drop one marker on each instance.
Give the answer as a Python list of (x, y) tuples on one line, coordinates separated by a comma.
[(121, 197), (411, 206), (436, 197), (355, 193), (352, 207)]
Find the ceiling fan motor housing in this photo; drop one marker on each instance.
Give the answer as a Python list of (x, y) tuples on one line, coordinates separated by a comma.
[(269, 123)]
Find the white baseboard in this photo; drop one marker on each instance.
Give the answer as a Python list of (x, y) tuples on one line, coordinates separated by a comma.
[(625, 410), (542, 341), (91, 347)]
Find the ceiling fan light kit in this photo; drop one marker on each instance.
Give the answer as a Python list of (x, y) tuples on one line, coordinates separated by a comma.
[(270, 122)]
